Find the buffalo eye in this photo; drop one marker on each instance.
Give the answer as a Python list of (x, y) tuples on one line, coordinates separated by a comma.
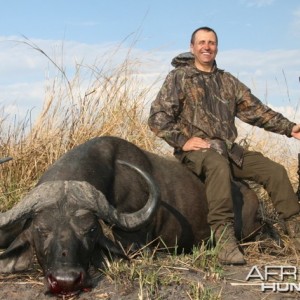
[(84, 224), (43, 232), (88, 230), (93, 229)]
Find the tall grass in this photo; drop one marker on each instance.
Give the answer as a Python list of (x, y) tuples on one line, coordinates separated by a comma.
[(98, 100)]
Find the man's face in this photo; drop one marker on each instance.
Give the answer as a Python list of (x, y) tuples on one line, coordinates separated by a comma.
[(205, 49)]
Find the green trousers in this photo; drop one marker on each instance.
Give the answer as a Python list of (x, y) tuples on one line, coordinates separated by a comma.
[(217, 171)]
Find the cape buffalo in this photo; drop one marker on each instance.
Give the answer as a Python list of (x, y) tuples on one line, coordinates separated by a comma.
[(142, 196)]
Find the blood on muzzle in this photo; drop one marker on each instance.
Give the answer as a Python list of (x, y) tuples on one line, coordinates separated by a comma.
[(67, 282)]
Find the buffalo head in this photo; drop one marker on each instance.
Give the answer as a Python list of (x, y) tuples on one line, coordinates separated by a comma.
[(59, 222)]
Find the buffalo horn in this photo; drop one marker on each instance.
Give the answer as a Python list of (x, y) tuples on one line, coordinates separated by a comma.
[(84, 195), (39, 197), (134, 221), (125, 221)]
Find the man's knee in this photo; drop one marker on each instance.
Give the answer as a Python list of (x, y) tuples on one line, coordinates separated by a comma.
[(277, 171), (217, 165)]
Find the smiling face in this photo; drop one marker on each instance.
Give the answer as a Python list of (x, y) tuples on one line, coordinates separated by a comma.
[(205, 49)]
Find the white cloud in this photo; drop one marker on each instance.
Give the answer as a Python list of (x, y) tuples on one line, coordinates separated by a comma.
[(272, 75)]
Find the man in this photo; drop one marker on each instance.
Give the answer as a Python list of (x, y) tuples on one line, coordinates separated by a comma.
[(195, 113)]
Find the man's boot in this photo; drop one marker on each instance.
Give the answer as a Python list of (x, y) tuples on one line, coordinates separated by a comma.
[(292, 226), (228, 249)]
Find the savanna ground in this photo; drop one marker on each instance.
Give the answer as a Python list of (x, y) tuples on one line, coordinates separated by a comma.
[(110, 99)]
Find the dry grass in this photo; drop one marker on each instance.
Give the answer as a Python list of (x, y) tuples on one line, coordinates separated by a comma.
[(93, 103)]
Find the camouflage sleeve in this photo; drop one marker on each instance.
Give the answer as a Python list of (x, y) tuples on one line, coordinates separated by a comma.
[(165, 110), (252, 111)]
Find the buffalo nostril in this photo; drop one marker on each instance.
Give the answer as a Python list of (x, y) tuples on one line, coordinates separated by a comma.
[(64, 253), (79, 278)]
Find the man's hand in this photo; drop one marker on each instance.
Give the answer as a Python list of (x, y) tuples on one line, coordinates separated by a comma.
[(196, 143), (296, 132)]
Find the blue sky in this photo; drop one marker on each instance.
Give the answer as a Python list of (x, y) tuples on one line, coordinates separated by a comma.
[(259, 40), (246, 24)]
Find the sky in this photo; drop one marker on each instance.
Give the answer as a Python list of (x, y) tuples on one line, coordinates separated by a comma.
[(259, 42)]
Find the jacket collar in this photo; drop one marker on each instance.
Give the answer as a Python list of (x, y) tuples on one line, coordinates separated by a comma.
[(187, 60)]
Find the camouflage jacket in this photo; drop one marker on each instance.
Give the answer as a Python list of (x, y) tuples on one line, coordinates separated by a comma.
[(195, 103)]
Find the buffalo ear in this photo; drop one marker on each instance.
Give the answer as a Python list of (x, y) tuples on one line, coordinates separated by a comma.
[(8, 234), (19, 255)]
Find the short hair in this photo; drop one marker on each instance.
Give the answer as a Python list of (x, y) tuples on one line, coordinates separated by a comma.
[(205, 28)]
